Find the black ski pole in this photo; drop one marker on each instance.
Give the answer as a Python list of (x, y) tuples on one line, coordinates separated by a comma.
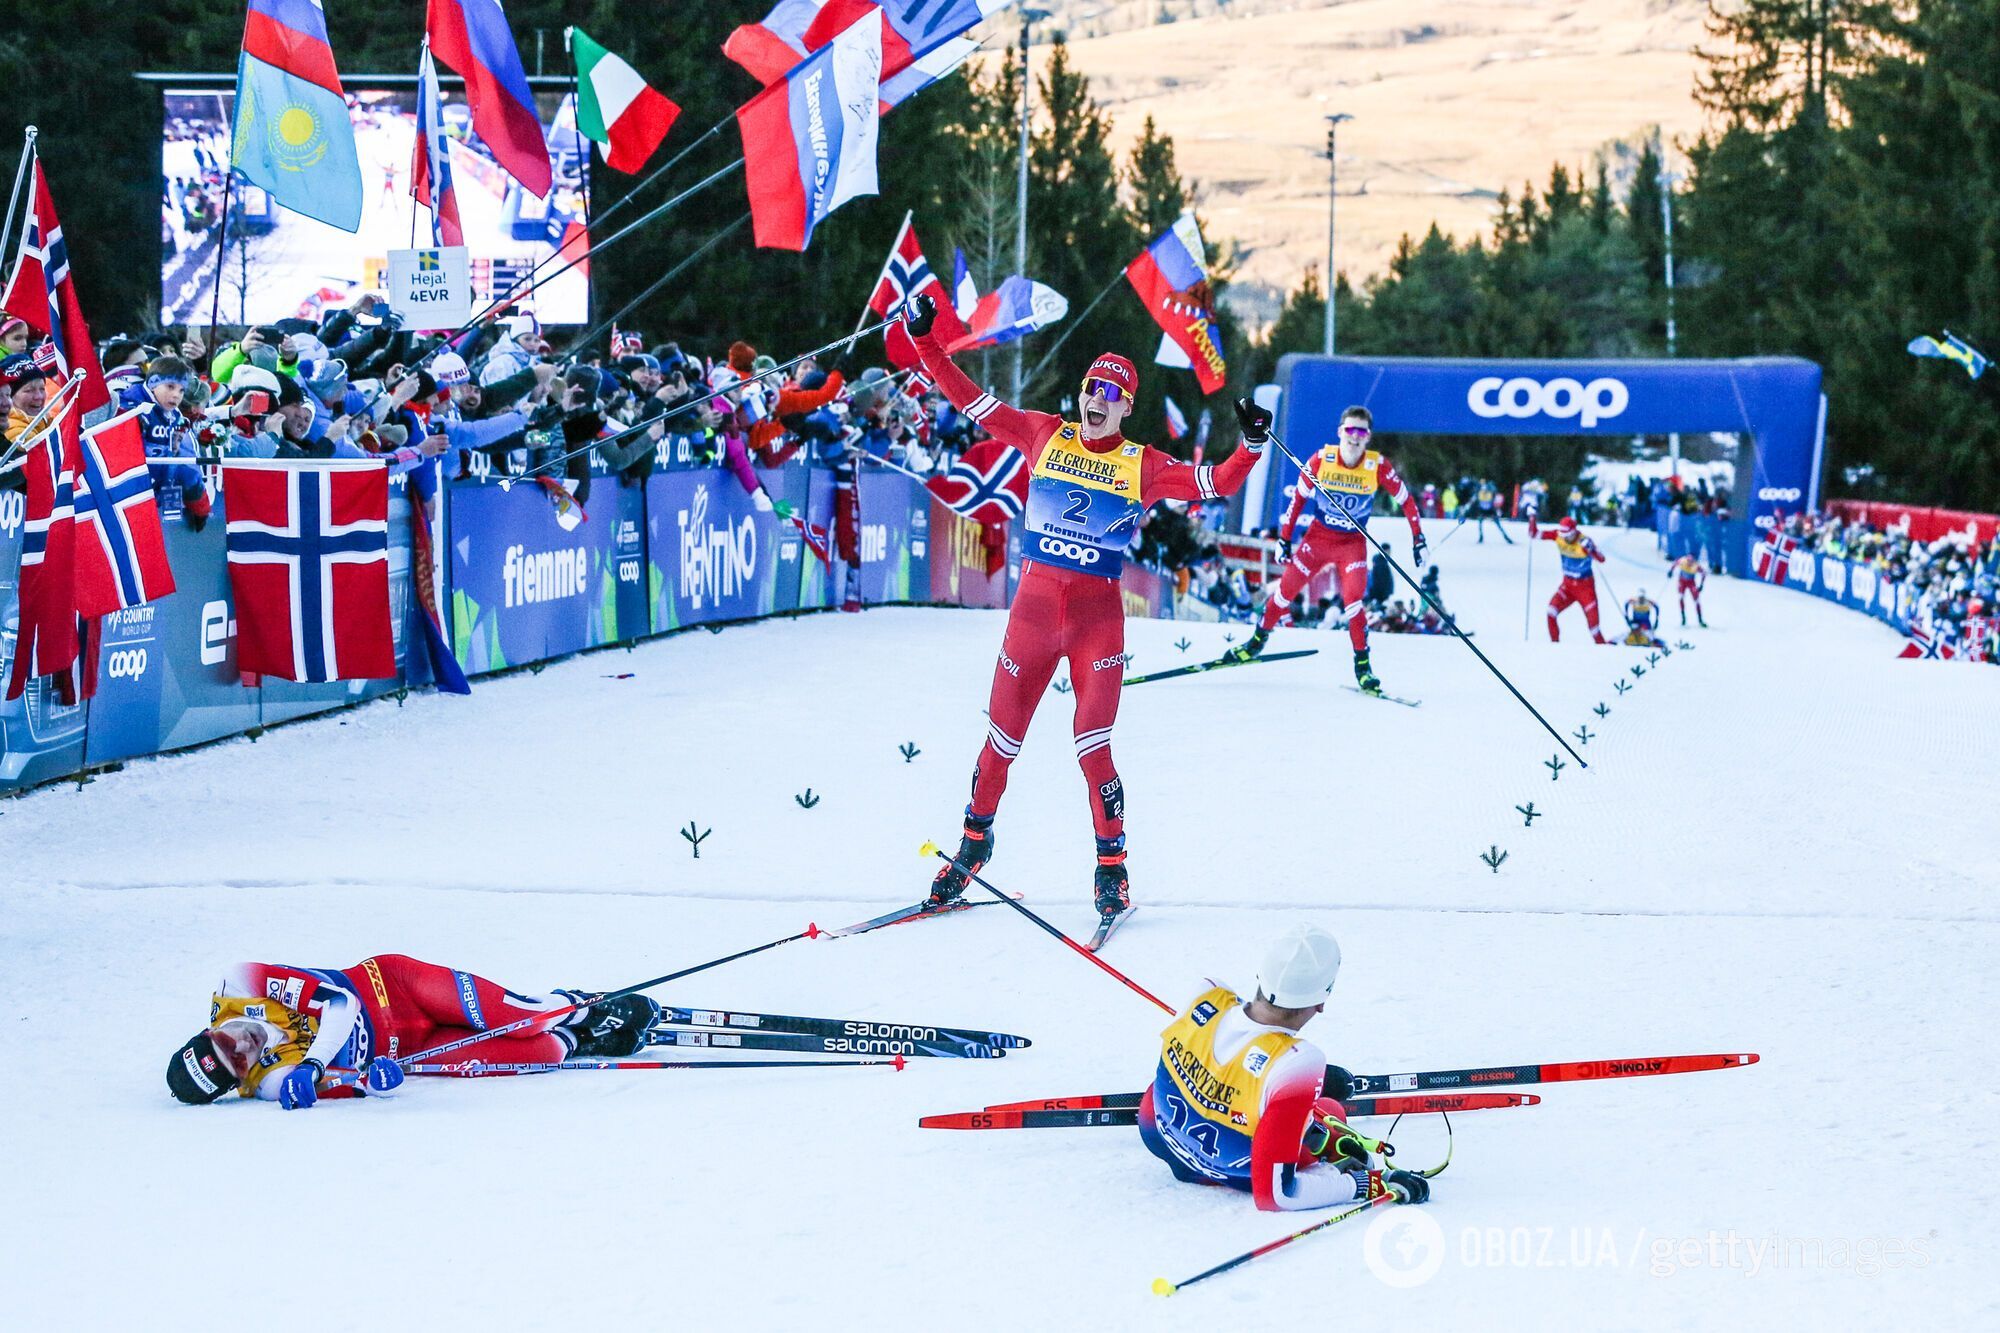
[(649, 423), (1449, 623), (811, 931)]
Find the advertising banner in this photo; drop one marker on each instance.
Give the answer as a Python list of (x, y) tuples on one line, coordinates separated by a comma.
[(958, 561), (40, 737), (713, 554), (895, 538), (1145, 594), (1773, 401), (522, 587), (167, 673)]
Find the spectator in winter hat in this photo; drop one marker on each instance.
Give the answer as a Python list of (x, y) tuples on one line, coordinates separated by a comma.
[(14, 334), (30, 392), (742, 357)]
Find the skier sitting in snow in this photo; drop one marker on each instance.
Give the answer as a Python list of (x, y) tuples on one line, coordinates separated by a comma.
[(1642, 615), (1237, 1100), (274, 1030)]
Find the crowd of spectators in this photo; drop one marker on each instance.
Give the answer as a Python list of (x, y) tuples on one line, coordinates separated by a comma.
[(1951, 583), (496, 401)]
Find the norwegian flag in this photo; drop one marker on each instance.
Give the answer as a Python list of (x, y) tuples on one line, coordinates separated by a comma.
[(1773, 556), (52, 590), (309, 568), (121, 553), (905, 273), (1923, 643), (989, 485)]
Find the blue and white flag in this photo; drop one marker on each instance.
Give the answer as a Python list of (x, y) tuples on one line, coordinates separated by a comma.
[(292, 134)]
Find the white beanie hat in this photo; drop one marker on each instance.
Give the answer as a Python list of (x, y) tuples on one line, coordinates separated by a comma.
[(1299, 968)]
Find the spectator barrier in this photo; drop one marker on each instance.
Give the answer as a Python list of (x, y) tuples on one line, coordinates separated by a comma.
[(688, 547)]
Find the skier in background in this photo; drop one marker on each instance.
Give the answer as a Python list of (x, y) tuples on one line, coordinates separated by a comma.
[(1642, 618), (274, 1029), (1342, 480), (1088, 486), (1579, 581), (1690, 577), (1485, 504), (1237, 1099)]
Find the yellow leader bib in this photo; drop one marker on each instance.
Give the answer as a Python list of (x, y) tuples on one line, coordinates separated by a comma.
[(1205, 1108), (1346, 494), (299, 1032), (1083, 507)]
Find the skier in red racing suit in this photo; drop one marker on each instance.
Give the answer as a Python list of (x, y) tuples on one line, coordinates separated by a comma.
[(1087, 490)]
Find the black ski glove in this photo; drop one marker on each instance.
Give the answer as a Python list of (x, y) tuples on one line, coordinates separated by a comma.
[(1255, 421), (920, 315)]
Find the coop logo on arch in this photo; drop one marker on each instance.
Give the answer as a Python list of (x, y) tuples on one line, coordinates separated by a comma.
[(1561, 398)]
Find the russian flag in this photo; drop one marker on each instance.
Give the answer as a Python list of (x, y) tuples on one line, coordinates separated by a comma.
[(809, 140), (1171, 277), (472, 38), (911, 28), (430, 173), (769, 49)]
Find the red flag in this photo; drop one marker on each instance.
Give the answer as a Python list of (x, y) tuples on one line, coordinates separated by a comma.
[(309, 569)]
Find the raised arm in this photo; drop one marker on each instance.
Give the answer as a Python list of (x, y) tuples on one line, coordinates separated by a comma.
[(1167, 478), (1025, 431)]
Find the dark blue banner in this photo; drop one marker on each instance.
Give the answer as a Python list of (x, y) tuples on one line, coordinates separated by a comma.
[(523, 587), (1774, 402), (714, 554)]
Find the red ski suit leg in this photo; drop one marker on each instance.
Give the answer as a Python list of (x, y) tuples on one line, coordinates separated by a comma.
[(417, 1005), (1058, 614), (1582, 592), (1321, 547)]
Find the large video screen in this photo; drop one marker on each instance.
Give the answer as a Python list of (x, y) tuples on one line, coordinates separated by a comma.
[(275, 264)]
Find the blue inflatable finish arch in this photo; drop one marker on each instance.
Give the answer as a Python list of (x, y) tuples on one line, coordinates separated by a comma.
[(1774, 403)]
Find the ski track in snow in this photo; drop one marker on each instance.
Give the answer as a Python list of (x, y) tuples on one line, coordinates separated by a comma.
[(1773, 852)]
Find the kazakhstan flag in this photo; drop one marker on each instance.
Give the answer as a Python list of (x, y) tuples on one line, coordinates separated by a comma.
[(292, 133)]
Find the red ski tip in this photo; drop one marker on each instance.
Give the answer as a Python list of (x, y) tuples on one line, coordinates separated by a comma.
[(1747, 1059)]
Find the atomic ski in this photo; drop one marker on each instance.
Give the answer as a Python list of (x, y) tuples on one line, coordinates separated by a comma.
[(1105, 925), (1216, 665), (1386, 698), (918, 912), (671, 1016), (820, 1045)]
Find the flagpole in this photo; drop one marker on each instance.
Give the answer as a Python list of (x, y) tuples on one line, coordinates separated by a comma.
[(583, 339), (1074, 326), (576, 125), (20, 173), (530, 283), (869, 308), (222, 232)]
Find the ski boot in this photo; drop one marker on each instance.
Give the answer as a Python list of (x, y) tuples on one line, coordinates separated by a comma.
[(1699, 620), (1247, 650), (614, 1028), (1364, 675), (1113, 890), (975, 849)]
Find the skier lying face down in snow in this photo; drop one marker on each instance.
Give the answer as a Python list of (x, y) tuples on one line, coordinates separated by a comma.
[(274, 1029), (1237, 1097)]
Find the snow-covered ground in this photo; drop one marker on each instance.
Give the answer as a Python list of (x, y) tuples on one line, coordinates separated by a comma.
[(1785, 844)]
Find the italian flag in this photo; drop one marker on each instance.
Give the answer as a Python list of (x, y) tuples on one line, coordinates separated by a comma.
[(616, 108)]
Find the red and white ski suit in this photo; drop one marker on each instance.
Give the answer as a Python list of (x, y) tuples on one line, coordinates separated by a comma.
[(1338, 542), (1579, 584), (1061, 612)]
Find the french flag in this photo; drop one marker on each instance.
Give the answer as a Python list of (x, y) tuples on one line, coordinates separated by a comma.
[(809, 140), (472, 38)]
